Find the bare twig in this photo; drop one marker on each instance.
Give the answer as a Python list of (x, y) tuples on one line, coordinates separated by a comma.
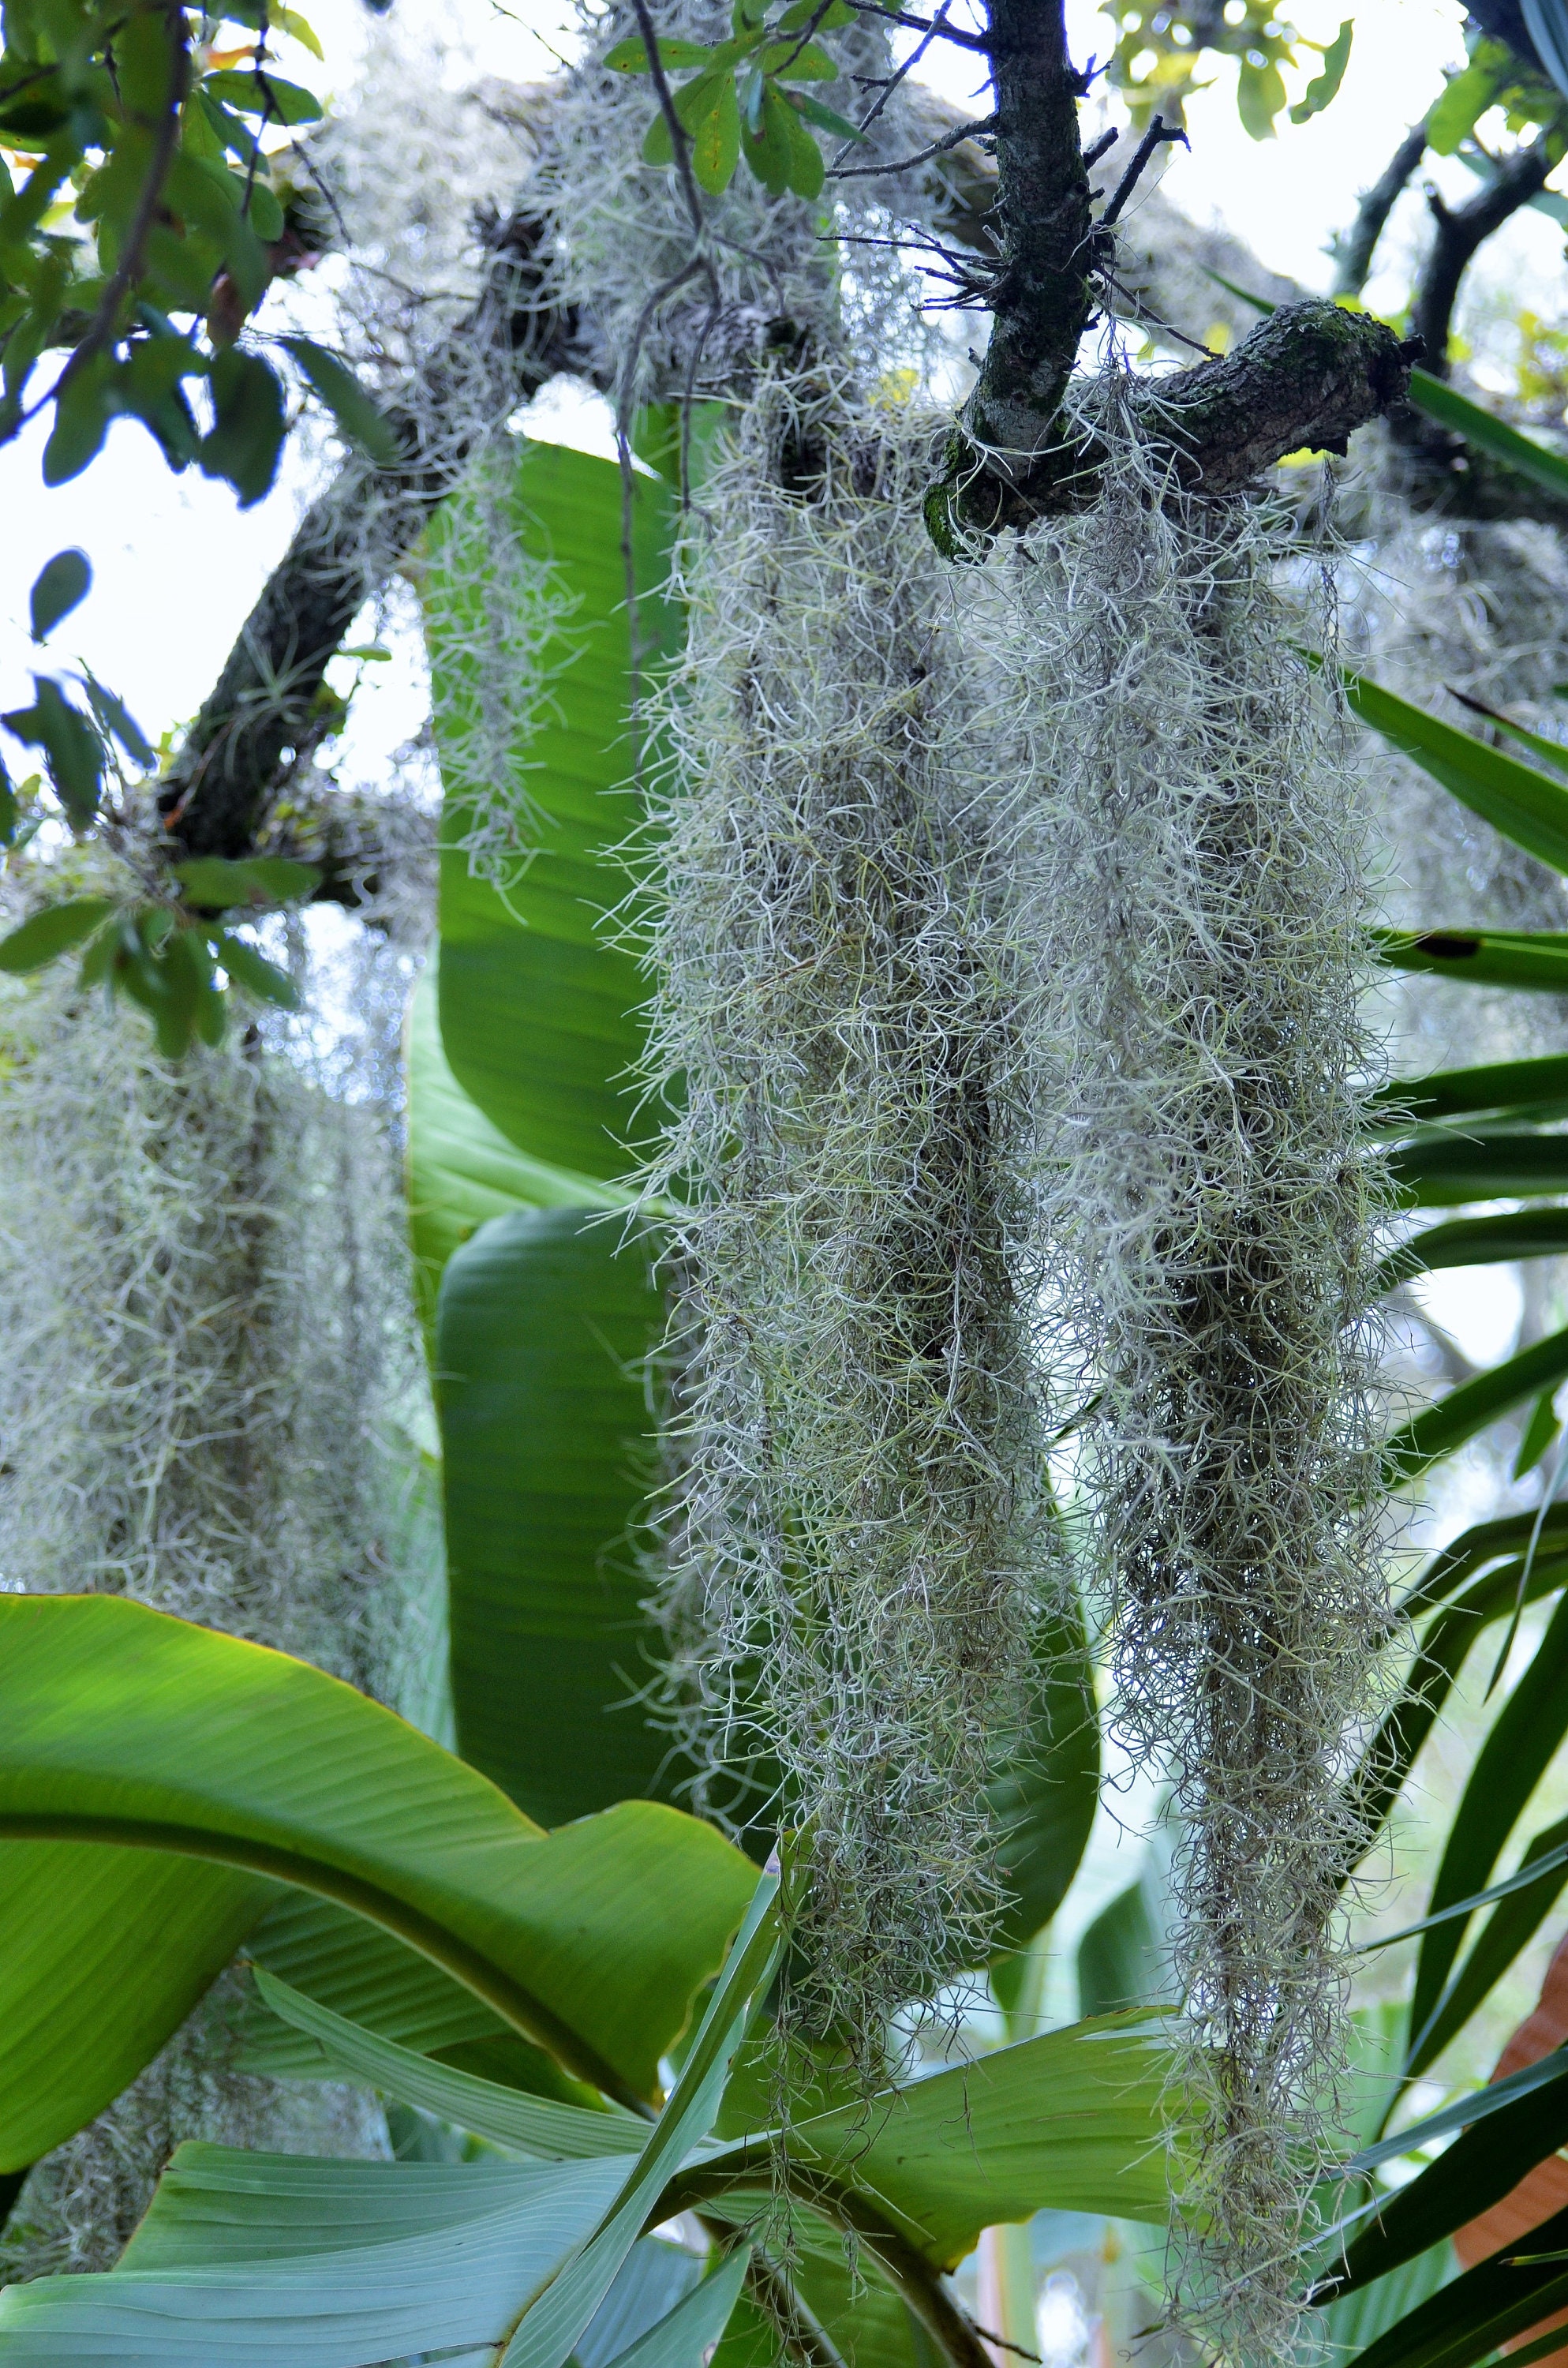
[(890, 83), (1159, 132), (675, 128), (1460, 232), (1354, 250), (906, 164), (979, 43)]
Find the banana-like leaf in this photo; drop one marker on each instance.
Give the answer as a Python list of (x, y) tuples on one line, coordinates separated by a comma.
[(1044, 1803), (1467, 1410), (521, 2123), (1527, 806), (539, 1012), (74, 1916), (1519, 1087), (687, 2334), (545, 1325), (1444, 1169), (1477, 1241), (1068, 2122), (551, 2330), (462, 1169), (1523, 1740), (1526, 957), (1120, 1961), (121, 1725), (263, 2259)]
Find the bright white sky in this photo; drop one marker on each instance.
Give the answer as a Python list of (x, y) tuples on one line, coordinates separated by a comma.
[(177, 565)]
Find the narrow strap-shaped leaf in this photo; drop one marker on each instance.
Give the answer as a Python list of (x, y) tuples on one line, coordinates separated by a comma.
[(1532, 959), (1527, 806), (1474, 1548), (1466, 2320), (1500, 2097), (1524, 1737), (547, 2332), (1443, 1169), (1445, 404), (507, 2117), (1477, 1241), (1514, 1086), (1511, 1927), (1439, 1429)]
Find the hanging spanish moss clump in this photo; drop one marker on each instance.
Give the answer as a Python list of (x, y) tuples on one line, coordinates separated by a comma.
[(1198, 903), (209, 1402), (858, 1536)]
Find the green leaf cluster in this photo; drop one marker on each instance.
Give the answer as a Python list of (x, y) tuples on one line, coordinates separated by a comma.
[(148, 222), (1161, 50), (738, 101)]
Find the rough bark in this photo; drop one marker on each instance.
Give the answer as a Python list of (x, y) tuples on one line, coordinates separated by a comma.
[(1306, 377), (263, 713)]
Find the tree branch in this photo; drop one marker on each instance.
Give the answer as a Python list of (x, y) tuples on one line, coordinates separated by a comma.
[(1460, 230), (1044, 289), (260, 714), (1354, 248), (1306, 377)]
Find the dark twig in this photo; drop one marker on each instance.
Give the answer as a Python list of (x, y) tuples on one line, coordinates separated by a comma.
[(906, 164), (1354, 250), (976, 41), (1159, 132), (675, 128), (105, 323), (1460, 230), (890, 83)]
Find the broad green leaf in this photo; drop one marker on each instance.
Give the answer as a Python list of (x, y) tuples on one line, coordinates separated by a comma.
[(632, 57), (1540, 1431), (1069, 2121), (247, 438), (461, 1168), (118, 1723), (716, 140), (212, 881), (1536, 959), (1261, 95), (1523, 1740), (1477, 1241), (381, 2261), (1044, 1803), (1465, 1411), (52, 931), (1466, 98), (1539, 1087), (62, 584), (1325, 87), (546, 1321), (1528, 806), (114, 716), (523, 2125), (264, 94), (1443, 403), (685, 2337), (74, 1916), (538, 1013), (249, 968), (654, 2276), (1445, 1168), (73, 752), (1553, 752), (551, 2330), (362, 419), (1120, 1961)]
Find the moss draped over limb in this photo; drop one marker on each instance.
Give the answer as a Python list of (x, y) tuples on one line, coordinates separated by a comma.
[(1306, 377)]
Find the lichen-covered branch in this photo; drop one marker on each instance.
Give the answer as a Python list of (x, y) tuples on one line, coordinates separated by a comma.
[(1307, 376), (263, 711)]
